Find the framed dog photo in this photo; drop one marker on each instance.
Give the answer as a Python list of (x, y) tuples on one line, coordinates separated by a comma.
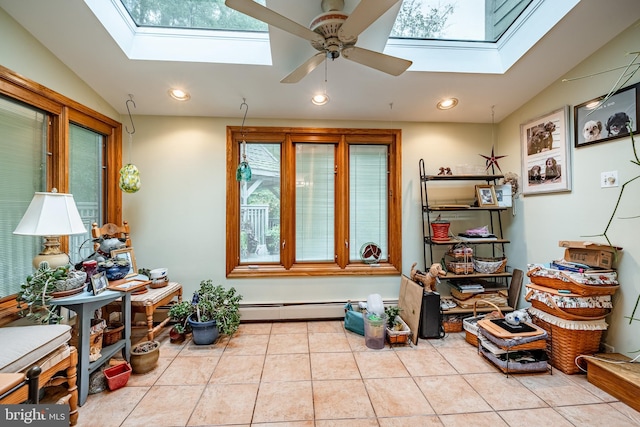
[(486, 196), (603, 119), (99, 282), (546, 153)]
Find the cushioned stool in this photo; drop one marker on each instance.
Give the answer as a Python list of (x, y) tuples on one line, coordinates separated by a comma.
[(148, 303), (45, 346)]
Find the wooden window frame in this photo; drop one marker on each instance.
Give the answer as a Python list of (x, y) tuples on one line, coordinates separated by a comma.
[(288, 137), (61, 112)]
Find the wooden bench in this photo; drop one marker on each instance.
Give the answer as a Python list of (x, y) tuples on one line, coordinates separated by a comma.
[(148, 303), (621, 380)]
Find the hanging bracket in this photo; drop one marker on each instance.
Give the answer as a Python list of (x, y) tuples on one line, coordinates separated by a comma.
[(130, 100)]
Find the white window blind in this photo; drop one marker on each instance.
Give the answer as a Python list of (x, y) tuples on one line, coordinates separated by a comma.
[(23, 133), (85, 183), (315, 202), (368, 201)]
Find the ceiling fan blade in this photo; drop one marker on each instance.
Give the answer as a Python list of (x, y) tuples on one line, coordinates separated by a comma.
[(261, 13), (365, 13), (385, 63), (309, 65)]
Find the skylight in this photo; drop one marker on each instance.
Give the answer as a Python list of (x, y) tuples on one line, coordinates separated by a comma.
[(460, 40)]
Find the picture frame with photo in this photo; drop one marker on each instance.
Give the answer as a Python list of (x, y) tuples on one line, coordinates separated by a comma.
[(99, 282), (127, 254), (486, 196), (503, 195), (546, 153), (604, 119)]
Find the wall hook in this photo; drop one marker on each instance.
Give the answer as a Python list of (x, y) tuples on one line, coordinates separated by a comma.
[(130, 118)]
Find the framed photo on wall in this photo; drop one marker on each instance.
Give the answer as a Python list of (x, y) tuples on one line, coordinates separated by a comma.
[(546, 153), (600, 119)]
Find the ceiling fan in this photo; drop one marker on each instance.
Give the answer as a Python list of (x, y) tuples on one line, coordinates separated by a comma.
[(333, 33)]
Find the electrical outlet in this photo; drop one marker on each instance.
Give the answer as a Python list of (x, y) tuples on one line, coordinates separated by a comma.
[(608, 348), (609, 179)]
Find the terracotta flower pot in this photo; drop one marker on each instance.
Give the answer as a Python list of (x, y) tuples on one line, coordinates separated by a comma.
[(144, 356)]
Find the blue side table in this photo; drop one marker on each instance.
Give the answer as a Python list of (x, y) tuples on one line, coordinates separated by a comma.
[(84, 305)]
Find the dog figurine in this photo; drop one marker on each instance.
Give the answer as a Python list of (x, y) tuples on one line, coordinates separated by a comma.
[(617, 124), (592, 131), (551, 170), (430, 278)]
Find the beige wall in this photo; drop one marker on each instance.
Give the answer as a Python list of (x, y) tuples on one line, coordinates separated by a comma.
[(178, 222), (542, 220), (178, 217)]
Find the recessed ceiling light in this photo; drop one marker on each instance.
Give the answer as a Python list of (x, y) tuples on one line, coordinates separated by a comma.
[(320, 99), (447, 104), (179, 94)]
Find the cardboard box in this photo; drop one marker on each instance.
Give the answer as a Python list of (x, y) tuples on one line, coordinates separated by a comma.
[(589, 253)]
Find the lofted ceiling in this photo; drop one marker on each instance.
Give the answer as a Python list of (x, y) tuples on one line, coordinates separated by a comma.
[(480, 75)]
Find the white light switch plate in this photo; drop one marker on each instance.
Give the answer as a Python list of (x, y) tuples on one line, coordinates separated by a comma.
[(609, 179)]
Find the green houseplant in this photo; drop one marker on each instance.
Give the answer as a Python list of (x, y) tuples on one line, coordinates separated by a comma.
[(179, 313), (214, 309), (40, 287)]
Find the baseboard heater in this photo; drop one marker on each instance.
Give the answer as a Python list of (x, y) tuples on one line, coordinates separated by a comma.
[(295, 311)]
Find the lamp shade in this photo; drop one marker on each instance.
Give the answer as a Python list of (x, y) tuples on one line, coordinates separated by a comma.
[(51, 214)]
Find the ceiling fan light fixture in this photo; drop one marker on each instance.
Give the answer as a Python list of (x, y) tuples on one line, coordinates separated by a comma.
[(179, 94), (447, 103), (320, 99)]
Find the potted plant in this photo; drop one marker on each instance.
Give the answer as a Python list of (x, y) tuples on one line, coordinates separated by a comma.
[(397, 330), (43, 285), (214, 310), (272, 239), (179, 313)]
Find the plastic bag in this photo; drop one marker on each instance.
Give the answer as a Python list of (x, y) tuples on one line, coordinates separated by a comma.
[(375, 304)]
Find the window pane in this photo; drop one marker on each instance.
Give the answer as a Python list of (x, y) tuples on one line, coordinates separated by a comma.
[(22, 173), (260, 205), (85, 166), (368, 189), (315, 202)]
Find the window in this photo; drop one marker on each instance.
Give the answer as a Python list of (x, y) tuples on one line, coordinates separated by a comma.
[(316, 197), (50, 141)]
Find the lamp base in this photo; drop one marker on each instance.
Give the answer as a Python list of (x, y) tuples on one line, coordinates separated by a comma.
[(51, 253), (54, 260)]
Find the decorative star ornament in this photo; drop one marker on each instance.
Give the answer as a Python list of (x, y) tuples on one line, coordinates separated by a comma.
[(492, 160)]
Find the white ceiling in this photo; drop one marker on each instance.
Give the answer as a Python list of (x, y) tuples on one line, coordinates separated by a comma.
[(72, 32)]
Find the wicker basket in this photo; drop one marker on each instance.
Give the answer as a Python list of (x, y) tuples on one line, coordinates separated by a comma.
[(452, 324), (399, 337), (112, 334), (565, 282), (571, 313), (550, 306), (489, 265), (567, 344), (470, 324), (460, 251), (460, 267)]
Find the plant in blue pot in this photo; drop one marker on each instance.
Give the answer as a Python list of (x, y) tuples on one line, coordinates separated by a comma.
[(215, 310), (114, 268)]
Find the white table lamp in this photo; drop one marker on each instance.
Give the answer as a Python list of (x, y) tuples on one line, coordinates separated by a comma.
[(51, 215)]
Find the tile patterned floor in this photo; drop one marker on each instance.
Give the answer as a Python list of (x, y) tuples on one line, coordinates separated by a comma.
[(316, 374)]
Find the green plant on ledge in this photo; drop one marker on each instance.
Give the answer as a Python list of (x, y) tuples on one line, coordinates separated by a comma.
[(392, 312)]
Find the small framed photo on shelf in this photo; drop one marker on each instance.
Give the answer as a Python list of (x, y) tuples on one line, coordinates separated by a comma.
[(486, 195), (99, 282), (128, 255), (503, 195)]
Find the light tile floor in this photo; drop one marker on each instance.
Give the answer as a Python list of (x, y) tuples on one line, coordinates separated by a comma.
[(305, 374)]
